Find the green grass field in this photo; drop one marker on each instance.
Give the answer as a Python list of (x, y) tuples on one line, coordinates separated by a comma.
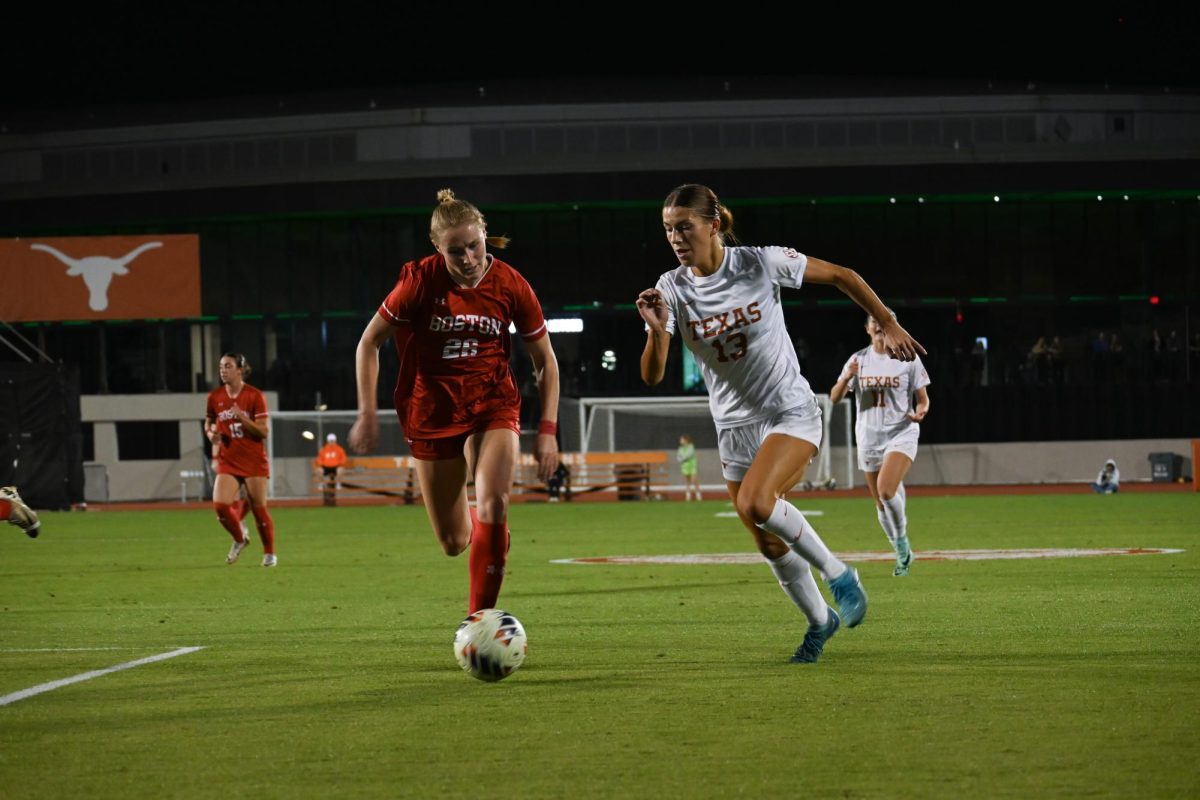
[(333, 675)]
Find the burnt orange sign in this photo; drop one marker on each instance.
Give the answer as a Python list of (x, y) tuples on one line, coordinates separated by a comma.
[(99, 277)]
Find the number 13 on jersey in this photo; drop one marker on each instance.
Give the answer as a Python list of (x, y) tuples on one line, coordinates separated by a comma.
[(733, 348)]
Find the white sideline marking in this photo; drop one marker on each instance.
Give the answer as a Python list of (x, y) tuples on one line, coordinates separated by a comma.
[(96, 673), (805, 513), (922, 555), (59, 649)]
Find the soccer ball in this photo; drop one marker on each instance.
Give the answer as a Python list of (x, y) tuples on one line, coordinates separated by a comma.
[(490, 644)]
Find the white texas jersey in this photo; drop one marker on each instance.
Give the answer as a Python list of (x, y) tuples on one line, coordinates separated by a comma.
[(733, 322), (883, 390)]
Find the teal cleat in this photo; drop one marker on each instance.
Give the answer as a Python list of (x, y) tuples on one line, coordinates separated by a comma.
[(814, 640), (902, 565), (851, 598)]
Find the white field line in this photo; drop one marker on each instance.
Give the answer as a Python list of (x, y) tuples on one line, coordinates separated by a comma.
[(734, 513), (921, 555), (96, 673), (61, 649)]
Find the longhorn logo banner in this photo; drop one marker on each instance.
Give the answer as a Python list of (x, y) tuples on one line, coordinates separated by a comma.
[(99, 277)]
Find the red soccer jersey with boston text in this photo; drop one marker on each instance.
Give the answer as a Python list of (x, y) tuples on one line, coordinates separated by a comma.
[(237, 452), (454, 344)]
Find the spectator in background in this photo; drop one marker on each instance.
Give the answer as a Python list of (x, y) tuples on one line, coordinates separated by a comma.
[(1158, 356), (1109, 479), (1054, 357), (686, 456), (979, 364), (1116, 358), (1038, 361), (559, 480), (330, 461)]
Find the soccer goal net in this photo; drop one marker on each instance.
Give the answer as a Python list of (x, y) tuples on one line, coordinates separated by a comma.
[(295, 437), (656, 423)]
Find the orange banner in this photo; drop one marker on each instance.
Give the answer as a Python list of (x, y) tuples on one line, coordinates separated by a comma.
[(99, 277)]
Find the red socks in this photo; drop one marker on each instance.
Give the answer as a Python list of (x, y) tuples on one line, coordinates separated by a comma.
[(230, 517), (230, 520), (489, 553), (5, 509), (266, 528)]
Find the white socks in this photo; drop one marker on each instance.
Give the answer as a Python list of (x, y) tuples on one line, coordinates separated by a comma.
[(885, 522), (894, 508), (789, 524), (795, 577)]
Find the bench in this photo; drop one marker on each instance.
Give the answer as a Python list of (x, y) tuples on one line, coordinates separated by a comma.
[(627, 476), (632, 475)]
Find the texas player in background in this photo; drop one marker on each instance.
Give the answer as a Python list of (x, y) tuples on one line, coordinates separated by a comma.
[(455, 395), (236, 424), (887, 429)]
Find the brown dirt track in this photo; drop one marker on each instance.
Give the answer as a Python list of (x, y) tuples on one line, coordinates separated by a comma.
[(861, 491)]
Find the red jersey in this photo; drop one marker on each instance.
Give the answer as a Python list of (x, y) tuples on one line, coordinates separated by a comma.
[(236, 451), (454, 345)]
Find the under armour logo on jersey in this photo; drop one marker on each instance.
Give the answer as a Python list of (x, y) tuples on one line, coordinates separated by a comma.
[(441, 301)]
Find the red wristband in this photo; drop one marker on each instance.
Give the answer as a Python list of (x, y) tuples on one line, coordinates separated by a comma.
[(548, 426)]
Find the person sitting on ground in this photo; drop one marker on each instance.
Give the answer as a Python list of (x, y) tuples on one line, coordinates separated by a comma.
[(1109, 479)]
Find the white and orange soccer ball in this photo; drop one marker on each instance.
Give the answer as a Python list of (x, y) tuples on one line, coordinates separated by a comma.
[(490, 644)]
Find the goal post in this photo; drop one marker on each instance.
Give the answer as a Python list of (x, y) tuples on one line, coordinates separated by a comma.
[(613, 424)]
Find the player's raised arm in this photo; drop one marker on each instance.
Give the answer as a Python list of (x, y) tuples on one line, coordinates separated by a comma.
[(658, 341), (897, 341)]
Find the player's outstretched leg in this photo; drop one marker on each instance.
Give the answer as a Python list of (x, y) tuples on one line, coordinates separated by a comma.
[(18, 513)]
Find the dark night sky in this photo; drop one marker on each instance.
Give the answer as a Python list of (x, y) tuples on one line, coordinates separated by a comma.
[(208, 52)]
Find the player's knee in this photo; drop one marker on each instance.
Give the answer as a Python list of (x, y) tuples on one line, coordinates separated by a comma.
[(454, 545), (755, 505), (886, 492), (771, 547), (493, 508)]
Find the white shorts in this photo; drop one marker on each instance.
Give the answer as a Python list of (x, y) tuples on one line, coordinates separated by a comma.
[(738, 446), (871, 460)]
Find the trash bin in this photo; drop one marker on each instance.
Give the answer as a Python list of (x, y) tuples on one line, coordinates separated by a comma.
[(1165, 467), (631, 481)]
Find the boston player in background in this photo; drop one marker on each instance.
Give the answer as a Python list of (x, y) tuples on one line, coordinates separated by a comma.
[(887, 429), (724, 301), (455, 395), (236, 424)]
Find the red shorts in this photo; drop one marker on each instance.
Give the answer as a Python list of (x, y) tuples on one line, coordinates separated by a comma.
[(445, 447), (240, 473)]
